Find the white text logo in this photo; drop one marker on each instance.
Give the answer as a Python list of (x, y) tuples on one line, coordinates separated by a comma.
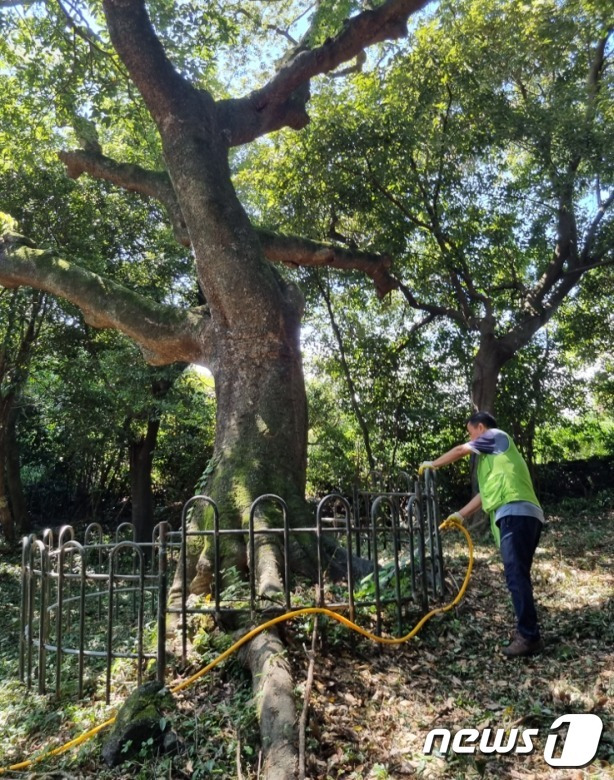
[(577, 749)]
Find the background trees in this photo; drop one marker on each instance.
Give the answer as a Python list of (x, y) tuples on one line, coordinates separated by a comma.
[(480, 160), (22, 318), (80, 404)]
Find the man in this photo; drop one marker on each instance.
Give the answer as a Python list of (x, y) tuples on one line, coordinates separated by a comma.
[(507, 495)]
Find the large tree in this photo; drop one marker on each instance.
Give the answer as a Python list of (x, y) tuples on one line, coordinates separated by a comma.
[(247, 333), (483, 161)]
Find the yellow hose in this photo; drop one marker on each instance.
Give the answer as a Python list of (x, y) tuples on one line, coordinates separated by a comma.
[(255, 631)]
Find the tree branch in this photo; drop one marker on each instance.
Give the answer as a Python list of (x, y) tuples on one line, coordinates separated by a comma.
[(435, 311), (134, 178), (85, 33), (414, 329), (595, 74), (442, 151), (565, 252), (295, 251), (357, 67), (167, 94), (274, 28), (591, 233), (281, 102), (164, 334), (543, 300), (290, 250), (596, 264), (387, 22), (348, 375), (451, 255), (385, 192), (593, 85), (550, 300)]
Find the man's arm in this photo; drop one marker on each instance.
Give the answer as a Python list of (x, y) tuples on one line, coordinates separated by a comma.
[(460, 451), (471, 507), (456, 453)]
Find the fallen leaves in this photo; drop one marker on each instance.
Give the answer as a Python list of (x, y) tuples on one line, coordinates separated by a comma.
[(374, 720), (372, 708)]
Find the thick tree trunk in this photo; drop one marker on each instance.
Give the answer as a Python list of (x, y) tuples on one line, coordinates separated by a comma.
[(261, 448), (141, 493), (486, 367), (261, 431)]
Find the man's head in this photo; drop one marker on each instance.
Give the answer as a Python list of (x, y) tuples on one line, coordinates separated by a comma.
[(479, 423)]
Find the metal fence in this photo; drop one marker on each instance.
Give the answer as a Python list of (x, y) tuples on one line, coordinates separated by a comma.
[(87, 604)]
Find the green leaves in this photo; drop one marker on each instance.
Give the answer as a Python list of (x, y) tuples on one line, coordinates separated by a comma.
[(458, 159), (7, 224)]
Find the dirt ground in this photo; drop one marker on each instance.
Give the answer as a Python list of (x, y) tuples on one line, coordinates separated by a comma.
[(371, 708)]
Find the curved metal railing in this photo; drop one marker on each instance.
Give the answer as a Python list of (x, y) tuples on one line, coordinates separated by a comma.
[(95, 601)]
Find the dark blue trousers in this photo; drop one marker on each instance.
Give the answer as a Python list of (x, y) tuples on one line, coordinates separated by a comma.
[(519, 538)]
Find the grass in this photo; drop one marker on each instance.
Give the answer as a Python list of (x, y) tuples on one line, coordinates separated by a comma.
[(371, 708)]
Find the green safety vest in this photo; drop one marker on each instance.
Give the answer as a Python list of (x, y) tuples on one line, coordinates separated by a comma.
[(503, 478)]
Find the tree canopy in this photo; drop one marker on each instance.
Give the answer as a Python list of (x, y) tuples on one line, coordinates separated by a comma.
[(480, 160)]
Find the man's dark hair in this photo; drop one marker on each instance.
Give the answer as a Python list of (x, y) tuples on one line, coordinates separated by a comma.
[(482, 417)]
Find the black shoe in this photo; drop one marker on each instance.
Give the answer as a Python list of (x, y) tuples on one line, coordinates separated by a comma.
[(521, 646)]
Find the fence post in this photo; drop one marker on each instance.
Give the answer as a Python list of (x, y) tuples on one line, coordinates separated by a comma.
[(162, 594)]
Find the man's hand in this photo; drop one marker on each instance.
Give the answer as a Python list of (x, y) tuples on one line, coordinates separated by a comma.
[(456, 517), (427, 464)]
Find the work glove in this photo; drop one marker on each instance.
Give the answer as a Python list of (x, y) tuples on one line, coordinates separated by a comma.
[(456, 517), (427, 464)]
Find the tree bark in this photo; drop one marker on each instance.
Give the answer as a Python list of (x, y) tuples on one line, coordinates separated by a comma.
[(141, 492), (487, 364), (485, 380), (260, 447), (274, 692), (21, 330), (164, 333), (486, 367), (261, 430)]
